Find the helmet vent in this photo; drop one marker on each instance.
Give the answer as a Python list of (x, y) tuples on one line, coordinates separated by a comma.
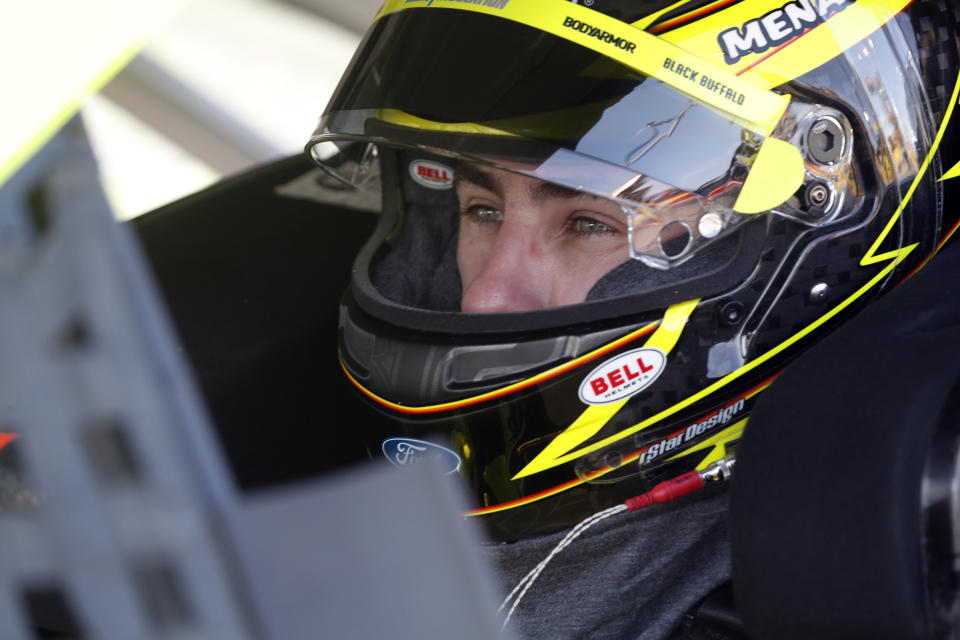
[(675, 238)]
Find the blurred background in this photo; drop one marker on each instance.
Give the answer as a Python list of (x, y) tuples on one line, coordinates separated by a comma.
[(226, 85)]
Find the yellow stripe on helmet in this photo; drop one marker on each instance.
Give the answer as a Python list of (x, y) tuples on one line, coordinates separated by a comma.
[(404, 119)]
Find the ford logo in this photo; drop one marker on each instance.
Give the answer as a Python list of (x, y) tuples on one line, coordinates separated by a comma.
[(404, 452)]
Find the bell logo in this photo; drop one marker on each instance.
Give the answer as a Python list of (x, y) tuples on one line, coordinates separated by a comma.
[(431, 175), (623, 376)]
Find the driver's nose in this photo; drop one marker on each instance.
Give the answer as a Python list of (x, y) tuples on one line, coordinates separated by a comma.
[(515, 275)]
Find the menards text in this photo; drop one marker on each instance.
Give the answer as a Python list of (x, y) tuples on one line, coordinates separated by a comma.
[(776, 27)]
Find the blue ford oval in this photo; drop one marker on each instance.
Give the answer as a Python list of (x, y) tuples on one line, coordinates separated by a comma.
[(404, 452)]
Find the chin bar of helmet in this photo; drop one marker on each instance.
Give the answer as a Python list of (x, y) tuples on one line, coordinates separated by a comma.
[(684, 484)]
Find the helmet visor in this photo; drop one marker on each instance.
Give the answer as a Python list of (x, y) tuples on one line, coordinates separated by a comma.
[(482, 87), (668, 173)]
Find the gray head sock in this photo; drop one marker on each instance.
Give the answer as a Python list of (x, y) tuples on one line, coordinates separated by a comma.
[(420, 268), (634, 277)]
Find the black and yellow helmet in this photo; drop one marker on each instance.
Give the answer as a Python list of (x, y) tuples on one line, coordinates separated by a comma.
[(734, 179)]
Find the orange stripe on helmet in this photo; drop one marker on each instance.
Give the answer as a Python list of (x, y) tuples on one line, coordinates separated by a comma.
[(693, 15)]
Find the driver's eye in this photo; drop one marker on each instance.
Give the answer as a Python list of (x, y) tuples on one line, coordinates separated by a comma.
[(589, 225), (483, 213)]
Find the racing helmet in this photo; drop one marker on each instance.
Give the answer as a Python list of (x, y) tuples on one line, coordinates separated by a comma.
[(712, 184)]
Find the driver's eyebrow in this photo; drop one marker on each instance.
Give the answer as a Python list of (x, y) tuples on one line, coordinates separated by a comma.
[(475, 175), (547, 190), (539, 190)]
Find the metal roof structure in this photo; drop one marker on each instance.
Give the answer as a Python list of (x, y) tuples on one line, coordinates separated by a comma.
[(226, 85)]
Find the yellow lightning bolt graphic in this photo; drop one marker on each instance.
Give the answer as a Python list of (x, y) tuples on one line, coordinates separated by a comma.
[(718, 442), (561, 448), (898, 255), (953, 173)]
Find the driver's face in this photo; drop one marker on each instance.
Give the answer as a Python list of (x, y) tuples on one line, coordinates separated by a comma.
[(525, 244)]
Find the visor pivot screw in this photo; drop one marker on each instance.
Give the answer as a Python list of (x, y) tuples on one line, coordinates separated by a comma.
[(818, 194), (710, 225), (825, 142), (818, 294), (731, 314), (816, 199)]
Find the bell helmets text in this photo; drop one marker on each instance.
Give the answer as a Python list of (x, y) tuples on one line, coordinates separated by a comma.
[(432, 175), (623, 376)]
